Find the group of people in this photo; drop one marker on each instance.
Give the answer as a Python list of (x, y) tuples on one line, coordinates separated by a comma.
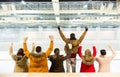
[(38, 59)]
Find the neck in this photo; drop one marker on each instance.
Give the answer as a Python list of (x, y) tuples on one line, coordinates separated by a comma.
[(39, 52)]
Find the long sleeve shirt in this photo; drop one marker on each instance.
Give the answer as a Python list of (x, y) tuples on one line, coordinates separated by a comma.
[(75, 43), (38, 63), (84, 67), (104, 62)]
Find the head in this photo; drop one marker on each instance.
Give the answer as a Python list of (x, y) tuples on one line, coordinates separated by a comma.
[(88, 59), (20, 52), (38, 49), (72, 36), (56, 51), (103, 52), (87, 52)]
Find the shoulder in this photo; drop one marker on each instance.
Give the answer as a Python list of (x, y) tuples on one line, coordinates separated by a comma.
[(41, 54), (61, 55), (13, 55), (51, 55), (99, 58)]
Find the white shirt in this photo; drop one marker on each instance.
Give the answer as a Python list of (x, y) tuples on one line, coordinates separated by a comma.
[(104, 62)]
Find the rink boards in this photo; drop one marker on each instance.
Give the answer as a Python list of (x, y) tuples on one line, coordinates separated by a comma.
[(60, 75)]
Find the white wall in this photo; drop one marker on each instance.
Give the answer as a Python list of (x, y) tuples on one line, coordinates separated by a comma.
[(95, 36)]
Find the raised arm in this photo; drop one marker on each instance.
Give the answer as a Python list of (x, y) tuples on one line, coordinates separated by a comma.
[(94, 51), (11, 52), (27, 53), (80, 51), (11, 49), (68, 54), (66, 57), (33, 47), (113, 51), (62, 35), (82, 36), (50, 49)]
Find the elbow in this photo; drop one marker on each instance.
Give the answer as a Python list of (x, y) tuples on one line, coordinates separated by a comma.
[(114, 54), (50, 49)]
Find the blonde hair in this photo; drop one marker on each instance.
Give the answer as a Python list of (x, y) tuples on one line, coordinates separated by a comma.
[(88, 59)]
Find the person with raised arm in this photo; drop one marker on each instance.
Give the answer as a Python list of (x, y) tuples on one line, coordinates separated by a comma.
[(87, 63), (72, 45), (38, 60), (104, 61), (20, 59), (57, 61)]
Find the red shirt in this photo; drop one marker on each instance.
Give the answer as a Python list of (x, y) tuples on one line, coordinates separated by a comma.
[(87, 68), (84, 67), (73, 56)]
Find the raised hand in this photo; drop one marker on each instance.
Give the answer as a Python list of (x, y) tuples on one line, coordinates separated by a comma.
[(33, 44), (86, 28), (11, 49), (33, 47), (59, 27), (11, 45), (51, 37), (25, 39), (109, 46)]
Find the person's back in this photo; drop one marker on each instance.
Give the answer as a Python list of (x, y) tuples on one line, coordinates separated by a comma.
[(38, 60), (21, 61), (104, 64), (87, 64), (21, 64), (57, 61), (72, 40), (57, 64), (74, 45), (104, 61)]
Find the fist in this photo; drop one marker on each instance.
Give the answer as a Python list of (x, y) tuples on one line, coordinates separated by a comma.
[(58, 27), (11, 44), (109, 46), (33, 44), (86, 28), (25, 39), (51, 37)]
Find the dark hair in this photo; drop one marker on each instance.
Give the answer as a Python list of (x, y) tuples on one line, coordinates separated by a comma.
[(103, 52), (20, 52), (38, 49), (56, 49), (72, 36)]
